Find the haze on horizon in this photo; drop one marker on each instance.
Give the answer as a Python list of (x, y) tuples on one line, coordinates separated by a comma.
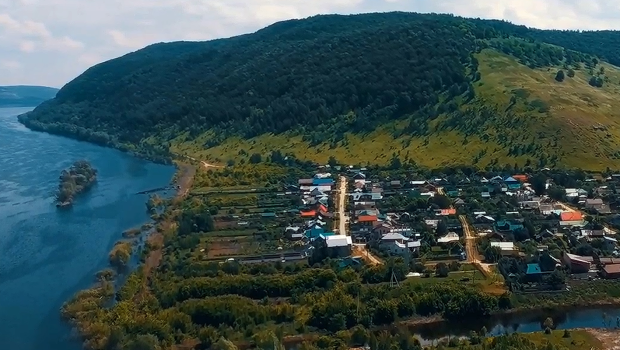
[(50, 42)]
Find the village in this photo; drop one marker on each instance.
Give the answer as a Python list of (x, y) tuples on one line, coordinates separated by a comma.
[(525, 234)]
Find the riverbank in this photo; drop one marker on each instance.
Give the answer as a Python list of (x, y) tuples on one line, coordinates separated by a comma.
[(80, 311), (610, 339), (142, 151)]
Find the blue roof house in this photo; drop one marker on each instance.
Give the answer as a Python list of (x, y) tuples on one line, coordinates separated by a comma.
[(323, 182), (512, 183), (506, 225)]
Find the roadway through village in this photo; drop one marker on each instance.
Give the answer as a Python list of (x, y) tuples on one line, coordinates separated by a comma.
[(343, 219), (471, 248)]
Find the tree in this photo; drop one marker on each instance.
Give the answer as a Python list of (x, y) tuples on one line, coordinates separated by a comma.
[(539, 184), (442, 228), (144, 342), (492, 254), (596, 81), (570, 73), (559, 76), (557, 279), (441, 201), (256, 158), (442, 270), (332, 161)]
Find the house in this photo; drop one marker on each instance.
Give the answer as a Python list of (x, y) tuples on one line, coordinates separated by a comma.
[(367, 220), (604, 191), (571, 218), (459, 202), (338, 245), (359, 176), (418, 184), (314, 233), (323, 182), (575, 192), (506, 248), (383, 229), (446, 212), (545, 209), (521, 178), (592, 234), (304, 182), (307, 213), (484, 219), (508, 226), (531, 204), (293, 233), (598, 205), (611, 271), (396, 243), (431, 223), (512, 183), (449, 237), (395, 184), (533, 269), (576, 263)]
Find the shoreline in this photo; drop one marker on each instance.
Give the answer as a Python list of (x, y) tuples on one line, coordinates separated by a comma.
[(167, 159)]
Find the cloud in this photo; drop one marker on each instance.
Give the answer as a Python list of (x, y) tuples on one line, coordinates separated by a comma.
[(55, 40), (9, 64)]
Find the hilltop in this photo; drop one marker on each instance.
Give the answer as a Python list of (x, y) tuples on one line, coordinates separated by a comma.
[(25, 95), (434, 89)]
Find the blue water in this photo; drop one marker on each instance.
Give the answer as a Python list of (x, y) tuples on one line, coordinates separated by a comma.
[(595, 317), (46, 255)]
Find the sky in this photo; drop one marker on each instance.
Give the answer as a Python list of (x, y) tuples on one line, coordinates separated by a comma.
[(50, 42)]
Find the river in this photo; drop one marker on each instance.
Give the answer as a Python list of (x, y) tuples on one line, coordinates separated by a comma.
[(46, 255), (525, 322)]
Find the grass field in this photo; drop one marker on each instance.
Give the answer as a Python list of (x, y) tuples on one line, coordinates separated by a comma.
[(580, 339), (570, 121)]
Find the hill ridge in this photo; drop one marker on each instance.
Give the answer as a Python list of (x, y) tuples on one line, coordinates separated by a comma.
[(416, 79)]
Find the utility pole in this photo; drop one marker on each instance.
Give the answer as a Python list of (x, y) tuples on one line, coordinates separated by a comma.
[(393, 280)]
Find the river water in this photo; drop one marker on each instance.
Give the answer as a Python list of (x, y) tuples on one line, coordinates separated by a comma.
[(46, 255)]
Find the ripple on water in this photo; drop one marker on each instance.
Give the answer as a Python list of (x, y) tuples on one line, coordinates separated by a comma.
[(47, 254)]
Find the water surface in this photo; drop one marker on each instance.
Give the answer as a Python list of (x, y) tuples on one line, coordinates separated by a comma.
[(46, 254)]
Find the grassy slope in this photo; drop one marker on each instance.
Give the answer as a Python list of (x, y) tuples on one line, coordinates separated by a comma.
[(565, 131), (580, 339)]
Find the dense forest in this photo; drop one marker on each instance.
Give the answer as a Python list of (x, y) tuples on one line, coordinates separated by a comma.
[(25, 95), (305, 76)]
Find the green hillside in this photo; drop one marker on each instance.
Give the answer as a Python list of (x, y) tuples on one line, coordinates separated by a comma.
[(25, 95), (435, 89)]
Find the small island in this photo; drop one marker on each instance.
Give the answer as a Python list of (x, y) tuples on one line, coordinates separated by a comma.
[(75, 180)]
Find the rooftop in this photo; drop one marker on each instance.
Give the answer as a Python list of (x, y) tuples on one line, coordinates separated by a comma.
[(503, 245), (615, 268), (533, 269), (571, 216), (338, 241)]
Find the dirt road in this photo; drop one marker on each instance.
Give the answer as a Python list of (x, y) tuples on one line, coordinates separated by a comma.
[(363, 253), (204, 164), (342, 200), (471, 249), (343, 220)]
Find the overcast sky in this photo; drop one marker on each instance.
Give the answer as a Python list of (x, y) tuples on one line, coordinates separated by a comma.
[(49, 42)]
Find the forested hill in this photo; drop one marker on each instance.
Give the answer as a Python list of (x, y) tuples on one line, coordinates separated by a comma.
[(417, 83), (24, 95)]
